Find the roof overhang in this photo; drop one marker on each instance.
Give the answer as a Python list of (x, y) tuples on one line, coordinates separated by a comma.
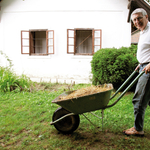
[(133, 4)]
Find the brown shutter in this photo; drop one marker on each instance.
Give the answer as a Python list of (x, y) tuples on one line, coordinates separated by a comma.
[(50, 41), (31, 43), (97, 40), (70, 41), (25, 42)]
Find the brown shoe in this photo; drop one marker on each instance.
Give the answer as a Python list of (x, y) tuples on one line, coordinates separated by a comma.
[(133, 131)]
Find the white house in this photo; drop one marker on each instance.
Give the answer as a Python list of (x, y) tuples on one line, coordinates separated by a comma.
[(54, 40)]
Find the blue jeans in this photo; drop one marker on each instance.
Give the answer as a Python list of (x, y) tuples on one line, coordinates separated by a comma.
[(141, 99)]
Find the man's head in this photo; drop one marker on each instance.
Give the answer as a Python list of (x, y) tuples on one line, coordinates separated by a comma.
[(140, 18)]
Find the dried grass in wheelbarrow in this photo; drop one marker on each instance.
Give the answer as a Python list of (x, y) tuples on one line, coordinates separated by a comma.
[(86, 91)]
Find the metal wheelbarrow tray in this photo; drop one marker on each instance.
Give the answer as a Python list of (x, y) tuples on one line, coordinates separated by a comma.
[(85, 103), (66, 118)]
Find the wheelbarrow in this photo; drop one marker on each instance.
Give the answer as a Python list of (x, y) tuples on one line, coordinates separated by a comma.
[(66, 118)]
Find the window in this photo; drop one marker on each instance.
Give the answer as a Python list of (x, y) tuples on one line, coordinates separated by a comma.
[(37, 42), (83, 41)]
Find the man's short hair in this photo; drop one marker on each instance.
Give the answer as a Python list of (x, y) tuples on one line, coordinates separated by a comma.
[(139, 10)]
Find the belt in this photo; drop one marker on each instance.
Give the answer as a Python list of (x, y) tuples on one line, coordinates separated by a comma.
[(142, 64)]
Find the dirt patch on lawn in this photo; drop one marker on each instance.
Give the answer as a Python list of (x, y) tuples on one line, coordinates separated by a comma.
[(102, 140)]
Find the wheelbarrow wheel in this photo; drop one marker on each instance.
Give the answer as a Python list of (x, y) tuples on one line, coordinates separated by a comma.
[(68, 124)]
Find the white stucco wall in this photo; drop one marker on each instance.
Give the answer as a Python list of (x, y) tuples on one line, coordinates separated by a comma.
[(58, 15)]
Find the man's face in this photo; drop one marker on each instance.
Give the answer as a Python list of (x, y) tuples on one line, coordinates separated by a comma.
[(140, 21)]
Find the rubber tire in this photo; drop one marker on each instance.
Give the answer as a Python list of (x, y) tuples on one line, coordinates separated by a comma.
[(68, 124)]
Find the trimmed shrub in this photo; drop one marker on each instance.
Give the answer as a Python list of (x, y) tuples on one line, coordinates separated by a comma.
[(112, 65)]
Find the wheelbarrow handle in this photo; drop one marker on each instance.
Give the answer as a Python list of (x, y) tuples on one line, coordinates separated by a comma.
[(132, 83), (127, 80)]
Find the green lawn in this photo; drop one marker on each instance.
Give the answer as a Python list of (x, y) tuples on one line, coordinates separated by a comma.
[(25, 124)]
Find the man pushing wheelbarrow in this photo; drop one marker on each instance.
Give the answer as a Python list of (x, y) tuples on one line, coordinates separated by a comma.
[(141, 97), (66, 118)]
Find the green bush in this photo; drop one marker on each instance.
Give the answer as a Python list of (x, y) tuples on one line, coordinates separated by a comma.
[(111, 65), (9, 81)]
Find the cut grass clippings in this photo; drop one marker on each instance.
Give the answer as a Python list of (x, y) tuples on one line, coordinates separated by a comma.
[(25, 124)]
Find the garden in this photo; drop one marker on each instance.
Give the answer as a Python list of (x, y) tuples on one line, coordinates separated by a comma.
[(26, 110)]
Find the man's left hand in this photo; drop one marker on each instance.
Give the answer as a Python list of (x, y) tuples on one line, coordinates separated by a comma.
[(147, 68)]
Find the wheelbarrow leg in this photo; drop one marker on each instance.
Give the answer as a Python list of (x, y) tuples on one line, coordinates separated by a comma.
[(102, 117), (102, 113), (89, 120)]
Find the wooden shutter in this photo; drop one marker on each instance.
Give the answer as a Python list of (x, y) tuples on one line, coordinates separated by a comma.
[(97, 40), (70, 41), (25, 48), (50, 41), (31, 42)]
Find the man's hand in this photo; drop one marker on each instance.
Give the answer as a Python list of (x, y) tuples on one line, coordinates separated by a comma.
[(147, 68), (137, 67)]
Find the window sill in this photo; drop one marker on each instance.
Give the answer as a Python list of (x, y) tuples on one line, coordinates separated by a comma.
[(39, 56), (82, 57)]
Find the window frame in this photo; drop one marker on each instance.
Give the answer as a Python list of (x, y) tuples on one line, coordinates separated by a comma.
[(30, 42), (93, 40)]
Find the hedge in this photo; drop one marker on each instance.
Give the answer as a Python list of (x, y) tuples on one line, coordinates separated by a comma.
[(112, 65)]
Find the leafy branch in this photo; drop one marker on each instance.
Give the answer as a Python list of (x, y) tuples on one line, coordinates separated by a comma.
[(7, 58)]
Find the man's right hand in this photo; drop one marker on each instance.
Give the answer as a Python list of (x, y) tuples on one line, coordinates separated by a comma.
[(137, 67)]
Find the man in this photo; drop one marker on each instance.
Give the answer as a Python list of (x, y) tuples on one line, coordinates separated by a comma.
[(141, 97)]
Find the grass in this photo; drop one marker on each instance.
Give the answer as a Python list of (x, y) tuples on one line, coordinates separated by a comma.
[(25, 124)]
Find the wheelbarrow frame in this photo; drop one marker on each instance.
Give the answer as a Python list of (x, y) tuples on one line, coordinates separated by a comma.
[(103, 107)]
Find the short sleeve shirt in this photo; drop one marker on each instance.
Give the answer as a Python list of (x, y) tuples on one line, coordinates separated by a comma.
[(143, 52)]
